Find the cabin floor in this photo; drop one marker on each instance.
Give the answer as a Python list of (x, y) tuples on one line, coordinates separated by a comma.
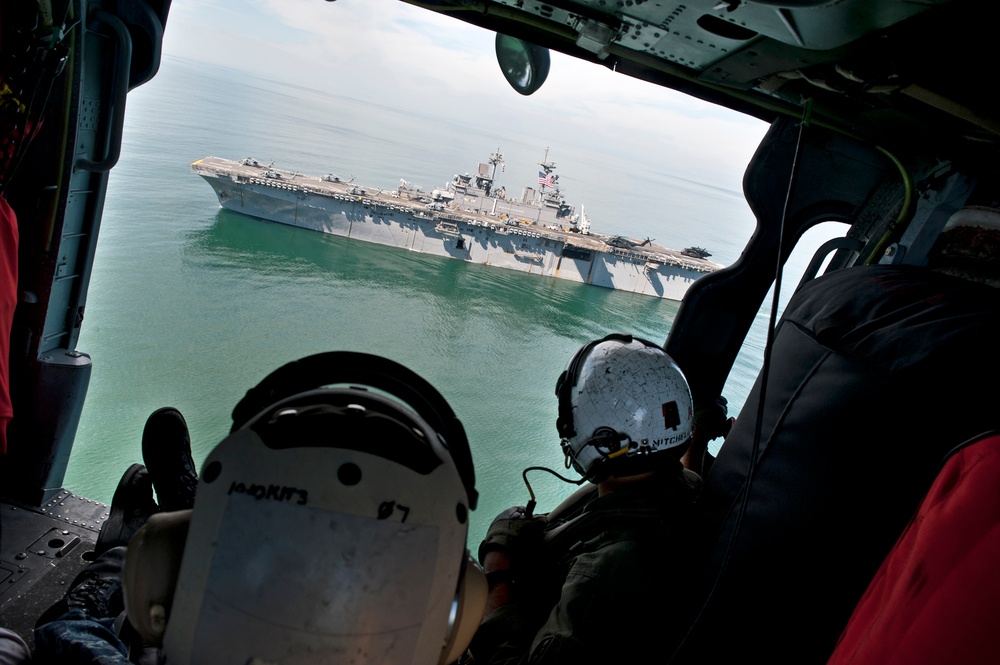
[(42, 549)]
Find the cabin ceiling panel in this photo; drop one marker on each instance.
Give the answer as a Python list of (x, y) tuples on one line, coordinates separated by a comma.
[(698, 32), (896, 72)]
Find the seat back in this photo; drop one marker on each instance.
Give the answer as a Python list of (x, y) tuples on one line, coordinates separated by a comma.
[(936, 597), (871, 384)]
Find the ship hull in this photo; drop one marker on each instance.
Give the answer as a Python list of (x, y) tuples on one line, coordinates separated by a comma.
[(384, 220)]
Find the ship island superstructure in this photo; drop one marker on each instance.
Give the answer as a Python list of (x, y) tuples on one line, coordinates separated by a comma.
[(470, 219)]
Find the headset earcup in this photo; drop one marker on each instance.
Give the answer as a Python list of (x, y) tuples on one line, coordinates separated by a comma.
[(150, 575), (470, 602)]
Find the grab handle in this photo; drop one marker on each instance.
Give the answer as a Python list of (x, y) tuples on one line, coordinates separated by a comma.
[(123, 62)]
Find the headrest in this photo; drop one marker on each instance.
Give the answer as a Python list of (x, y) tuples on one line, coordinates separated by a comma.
[(969, 246), (981, 217)]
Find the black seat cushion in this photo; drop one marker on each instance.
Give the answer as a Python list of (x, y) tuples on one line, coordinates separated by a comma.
[(876, 374)]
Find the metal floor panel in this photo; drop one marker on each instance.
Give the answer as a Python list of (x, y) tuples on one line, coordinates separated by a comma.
[(41, 551)]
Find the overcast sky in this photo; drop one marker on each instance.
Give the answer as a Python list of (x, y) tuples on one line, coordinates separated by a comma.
[(389, 51)]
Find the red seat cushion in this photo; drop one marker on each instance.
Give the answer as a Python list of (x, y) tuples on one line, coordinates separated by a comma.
[(936, 598)]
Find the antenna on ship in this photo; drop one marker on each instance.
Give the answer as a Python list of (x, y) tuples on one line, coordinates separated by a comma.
[(545, 177), (545, 163), (495, 158)]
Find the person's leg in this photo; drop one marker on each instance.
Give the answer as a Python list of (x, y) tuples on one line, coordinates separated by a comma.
[(81, 640), (80, 628)]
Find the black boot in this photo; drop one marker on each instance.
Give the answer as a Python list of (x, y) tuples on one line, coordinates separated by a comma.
[(96, 591), (166, 450), (131, 506)]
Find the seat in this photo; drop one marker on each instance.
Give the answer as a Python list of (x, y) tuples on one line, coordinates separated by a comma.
[(936, 597), (871, 384)]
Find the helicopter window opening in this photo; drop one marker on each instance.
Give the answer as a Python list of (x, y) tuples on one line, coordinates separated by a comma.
[(751, 356), (643, 160), (809, 244)]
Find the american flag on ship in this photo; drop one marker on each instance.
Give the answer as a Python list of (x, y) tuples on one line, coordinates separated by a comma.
[(546, 179)]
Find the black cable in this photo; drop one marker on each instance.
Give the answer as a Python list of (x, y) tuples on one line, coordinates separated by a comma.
[(530, 508), (765, 371)]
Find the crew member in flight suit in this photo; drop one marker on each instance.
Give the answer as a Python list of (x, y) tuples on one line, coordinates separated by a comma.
[(601, 582)]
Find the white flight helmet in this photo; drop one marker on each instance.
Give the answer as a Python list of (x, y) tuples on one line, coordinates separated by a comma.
[(330, 527), (621, 400)]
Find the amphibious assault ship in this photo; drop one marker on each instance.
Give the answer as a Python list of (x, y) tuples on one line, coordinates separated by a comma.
[(470, 219)]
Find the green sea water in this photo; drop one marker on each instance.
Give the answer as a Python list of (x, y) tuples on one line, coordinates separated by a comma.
[(191, 305)]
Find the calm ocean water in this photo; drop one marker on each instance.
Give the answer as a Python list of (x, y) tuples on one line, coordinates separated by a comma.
[(190, 305)]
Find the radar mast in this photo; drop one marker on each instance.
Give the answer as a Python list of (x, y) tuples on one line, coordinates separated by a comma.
[(546, 177)]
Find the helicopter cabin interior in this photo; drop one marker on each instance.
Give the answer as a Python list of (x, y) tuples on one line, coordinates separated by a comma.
[(879, 370)]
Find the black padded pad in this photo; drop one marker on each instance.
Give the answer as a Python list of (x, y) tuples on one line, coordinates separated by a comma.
[(876, 374)]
